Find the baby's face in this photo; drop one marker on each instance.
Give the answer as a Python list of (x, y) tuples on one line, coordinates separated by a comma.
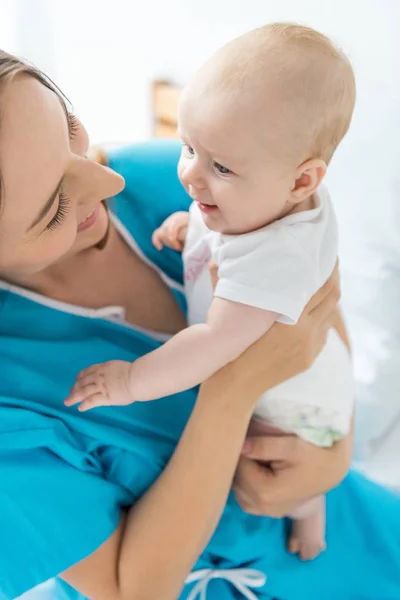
[(228, 167)]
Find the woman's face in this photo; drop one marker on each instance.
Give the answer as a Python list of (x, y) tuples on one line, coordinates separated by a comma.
[(51, 194)]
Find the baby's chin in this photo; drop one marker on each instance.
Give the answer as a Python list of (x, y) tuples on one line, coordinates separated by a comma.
[(222, 226), (215, 223)]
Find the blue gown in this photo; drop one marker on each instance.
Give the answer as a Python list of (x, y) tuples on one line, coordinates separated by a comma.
[(64, 476)]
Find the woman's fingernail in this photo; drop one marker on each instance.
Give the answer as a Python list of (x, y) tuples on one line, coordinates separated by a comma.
[(247, 446)]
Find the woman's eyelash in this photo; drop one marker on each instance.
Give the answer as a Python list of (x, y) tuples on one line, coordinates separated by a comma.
[(62, 212), (63, 200), (73, 125)]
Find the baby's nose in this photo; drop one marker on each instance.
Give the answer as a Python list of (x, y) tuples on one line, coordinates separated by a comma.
[(193, 192), (193, 179)]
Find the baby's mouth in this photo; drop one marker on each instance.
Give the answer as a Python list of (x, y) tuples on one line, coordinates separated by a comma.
[(207, 208)]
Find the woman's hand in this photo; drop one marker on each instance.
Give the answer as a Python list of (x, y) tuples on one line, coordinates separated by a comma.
[(276, 474)]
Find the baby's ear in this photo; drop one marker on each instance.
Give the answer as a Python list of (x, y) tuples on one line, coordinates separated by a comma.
[(309, 176)]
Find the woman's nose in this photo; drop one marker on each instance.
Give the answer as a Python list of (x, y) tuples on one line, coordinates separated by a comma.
[(95, 180), (110, 181)]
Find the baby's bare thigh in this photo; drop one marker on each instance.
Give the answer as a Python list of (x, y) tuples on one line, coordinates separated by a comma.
[(258, 427)]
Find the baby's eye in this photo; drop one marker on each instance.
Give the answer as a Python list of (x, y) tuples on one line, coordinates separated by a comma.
[(189, 150), (221, 169)]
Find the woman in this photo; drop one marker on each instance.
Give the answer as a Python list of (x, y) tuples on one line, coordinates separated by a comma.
[(97, 499)]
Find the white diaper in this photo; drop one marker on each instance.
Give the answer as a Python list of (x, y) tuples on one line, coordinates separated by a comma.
[(316, 405)]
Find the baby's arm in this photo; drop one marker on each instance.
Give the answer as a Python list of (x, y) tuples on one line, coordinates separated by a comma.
[(197, 352), (184, 361)]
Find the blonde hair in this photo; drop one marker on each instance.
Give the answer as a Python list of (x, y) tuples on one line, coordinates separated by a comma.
[(309, 78)]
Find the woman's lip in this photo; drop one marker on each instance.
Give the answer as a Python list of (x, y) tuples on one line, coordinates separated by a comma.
[(207, 208), (90, 219)]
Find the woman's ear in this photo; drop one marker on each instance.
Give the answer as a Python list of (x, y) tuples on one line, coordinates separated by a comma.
[(309, 176)]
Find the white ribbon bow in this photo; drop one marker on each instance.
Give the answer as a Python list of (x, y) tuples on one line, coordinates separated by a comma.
[(241, 579)]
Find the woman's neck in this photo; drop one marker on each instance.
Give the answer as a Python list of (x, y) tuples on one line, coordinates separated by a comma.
[(114, 276), (59, 275)]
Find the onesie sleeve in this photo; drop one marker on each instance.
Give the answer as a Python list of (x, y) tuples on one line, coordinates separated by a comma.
[(268, 270)]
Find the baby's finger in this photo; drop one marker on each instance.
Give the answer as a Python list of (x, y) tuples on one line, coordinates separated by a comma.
[(85, 372), (156, 238), (170, 236), (82, 390), (96, 377), (91, 388), (94, 401), (74, 398), (173, 230), (175, 244), (81, 386)]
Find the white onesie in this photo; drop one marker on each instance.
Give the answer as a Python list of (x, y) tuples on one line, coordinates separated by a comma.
[(278, 268)]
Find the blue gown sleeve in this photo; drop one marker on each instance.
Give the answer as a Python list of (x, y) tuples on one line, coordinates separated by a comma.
[(52, 516)]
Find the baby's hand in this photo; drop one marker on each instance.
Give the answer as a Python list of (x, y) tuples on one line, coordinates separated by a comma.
[(172, 232), (102, 385)]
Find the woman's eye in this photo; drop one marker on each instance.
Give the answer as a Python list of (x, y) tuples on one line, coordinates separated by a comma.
[(221, 169), (62, 212)]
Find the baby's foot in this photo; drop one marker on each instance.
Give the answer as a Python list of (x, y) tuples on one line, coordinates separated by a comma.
[(306, 539)]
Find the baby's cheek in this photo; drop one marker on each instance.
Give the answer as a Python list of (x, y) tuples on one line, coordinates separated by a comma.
[(181, 170)]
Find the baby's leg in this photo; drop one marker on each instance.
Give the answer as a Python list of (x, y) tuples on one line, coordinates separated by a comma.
[(317, 406), (307, 537), (259, 428)]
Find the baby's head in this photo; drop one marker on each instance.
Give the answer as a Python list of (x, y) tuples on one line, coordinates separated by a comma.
[(260, 122)]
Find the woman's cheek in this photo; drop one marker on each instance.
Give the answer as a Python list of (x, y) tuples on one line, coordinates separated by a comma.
[(61, 240), (69, 232)]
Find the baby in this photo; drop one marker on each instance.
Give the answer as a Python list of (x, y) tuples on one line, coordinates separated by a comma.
[(259, 124)]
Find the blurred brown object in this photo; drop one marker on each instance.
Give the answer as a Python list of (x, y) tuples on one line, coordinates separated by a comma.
[(98, 154), (165, 104)]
